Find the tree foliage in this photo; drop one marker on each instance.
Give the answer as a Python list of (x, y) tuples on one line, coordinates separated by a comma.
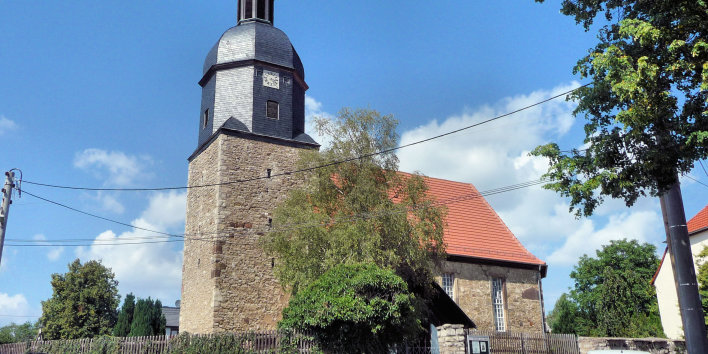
[(148, 319), (564, 316), (702, 260), (14, 333), (344, 213), (355, 306), (83, 302), (647, 107), (613, 293), (125, 317)]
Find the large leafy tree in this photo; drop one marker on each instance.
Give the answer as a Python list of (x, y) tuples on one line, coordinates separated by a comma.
[(148, 319), (83, 302), (14, 333), (613, 293), (647, 107), (125, 317), (355, 306), (346, 214)]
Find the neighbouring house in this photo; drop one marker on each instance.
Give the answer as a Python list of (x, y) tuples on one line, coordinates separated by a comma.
[(663, 280), (171, 319), (252, 124)]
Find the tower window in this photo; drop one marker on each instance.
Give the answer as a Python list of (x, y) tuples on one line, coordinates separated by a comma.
[(268, 172), (448, 280), (272, 109), (205, 118), (498, 304)]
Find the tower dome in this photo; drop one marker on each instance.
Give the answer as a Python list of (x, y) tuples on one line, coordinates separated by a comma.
[(253, 80)]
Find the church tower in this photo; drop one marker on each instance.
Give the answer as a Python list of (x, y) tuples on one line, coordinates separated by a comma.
[(251, 125)]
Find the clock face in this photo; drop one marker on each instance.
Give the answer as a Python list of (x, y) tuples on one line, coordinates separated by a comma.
[(271, 79)]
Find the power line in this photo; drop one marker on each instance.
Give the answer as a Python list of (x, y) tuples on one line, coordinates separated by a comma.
[(704, 168), (308, 169), (363, 216), (695, 180)]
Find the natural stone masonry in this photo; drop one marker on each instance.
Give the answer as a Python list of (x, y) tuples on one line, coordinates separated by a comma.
[(228, 284), (472, 291), (451, 339)]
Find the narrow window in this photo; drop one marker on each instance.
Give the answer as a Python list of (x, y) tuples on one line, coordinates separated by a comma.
[(448, 280), (248, 13), (205, 119), (272, 110), (261, 8), (270, 222), (268, 173), (498, 304)]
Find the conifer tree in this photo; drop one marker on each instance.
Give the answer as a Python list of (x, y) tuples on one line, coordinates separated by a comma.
[(148, 319), (125, 317)]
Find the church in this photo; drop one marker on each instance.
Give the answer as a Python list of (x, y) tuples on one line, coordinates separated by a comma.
[(251, 127)]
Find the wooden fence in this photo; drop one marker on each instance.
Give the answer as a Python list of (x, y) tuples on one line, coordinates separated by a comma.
[(529, 343), (250, 342)]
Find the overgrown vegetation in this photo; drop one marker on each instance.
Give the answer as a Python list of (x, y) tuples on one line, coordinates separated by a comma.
[(355, 306), (612, 295), (702, 261)]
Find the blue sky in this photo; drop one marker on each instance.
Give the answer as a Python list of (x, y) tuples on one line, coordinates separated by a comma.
[(105, 94)]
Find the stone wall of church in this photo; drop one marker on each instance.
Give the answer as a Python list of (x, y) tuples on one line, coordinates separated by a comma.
[(240, 287), (472, 291)]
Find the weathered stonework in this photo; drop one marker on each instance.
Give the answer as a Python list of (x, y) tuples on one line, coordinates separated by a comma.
[(228, 282), (472, 291)]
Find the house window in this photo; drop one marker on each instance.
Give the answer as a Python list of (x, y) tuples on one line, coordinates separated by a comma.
[(448, 279), (498, 304), (272, 110), (205, 119)]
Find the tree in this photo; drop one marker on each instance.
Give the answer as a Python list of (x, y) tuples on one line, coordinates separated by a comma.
[(354, 306), (703, 280), (345, 213), (647, 120), (83, 302), (14, 333), (647, 107), (125, 317), (148, 319), (563, 317), (613, 291)]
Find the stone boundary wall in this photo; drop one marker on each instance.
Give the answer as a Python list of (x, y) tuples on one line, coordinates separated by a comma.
[(652, 345), (451, 339)]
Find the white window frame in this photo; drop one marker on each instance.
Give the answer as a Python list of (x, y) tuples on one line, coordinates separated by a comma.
[(448, 284), (498, 304)]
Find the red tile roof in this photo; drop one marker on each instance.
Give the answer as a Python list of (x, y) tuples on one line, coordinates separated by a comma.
[(699, 221), (473, 228)]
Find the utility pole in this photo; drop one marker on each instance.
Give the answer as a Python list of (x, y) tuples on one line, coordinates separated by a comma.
[(684, 272), (5, 208)]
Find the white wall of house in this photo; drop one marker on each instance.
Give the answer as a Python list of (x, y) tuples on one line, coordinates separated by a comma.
[(666, 289)]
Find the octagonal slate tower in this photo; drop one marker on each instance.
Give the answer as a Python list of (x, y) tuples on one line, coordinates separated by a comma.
[(251, 126)]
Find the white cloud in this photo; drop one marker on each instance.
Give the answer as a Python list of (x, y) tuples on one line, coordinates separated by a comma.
[(54, 252), (638, 225), (105, 201), (313, 109), (16, 308), (117, 168), (6, 125), (146, 269)]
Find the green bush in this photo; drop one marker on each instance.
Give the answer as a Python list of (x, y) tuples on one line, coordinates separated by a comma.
[(355, 306)]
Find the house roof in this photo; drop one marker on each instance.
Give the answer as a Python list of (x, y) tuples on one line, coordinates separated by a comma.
[(473, 229), (171, 316), (698, 223)]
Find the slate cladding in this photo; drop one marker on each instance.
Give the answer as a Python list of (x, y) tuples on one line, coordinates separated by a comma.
[(232, 85)]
